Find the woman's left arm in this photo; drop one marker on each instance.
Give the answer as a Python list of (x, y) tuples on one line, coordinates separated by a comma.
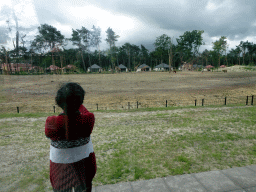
[(52, 129)]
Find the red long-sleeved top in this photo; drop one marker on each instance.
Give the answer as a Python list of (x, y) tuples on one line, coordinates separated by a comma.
[(72, 161)]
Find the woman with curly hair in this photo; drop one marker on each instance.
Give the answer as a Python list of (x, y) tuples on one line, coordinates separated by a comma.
[(72, 159)]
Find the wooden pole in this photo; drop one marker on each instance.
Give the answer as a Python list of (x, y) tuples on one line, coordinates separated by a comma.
[(246, 100), (18, 111), (195, 102), (252, 100)]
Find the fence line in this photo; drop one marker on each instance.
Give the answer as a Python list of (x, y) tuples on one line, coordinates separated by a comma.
[(164, 103)]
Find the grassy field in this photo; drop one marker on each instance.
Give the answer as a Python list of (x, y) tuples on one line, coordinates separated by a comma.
[(35, 93), (134, 145)]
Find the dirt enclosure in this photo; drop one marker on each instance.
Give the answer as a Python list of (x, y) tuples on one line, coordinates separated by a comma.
[(113, 91)]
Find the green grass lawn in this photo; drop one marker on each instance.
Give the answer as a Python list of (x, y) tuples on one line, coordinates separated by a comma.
[(140, 144)]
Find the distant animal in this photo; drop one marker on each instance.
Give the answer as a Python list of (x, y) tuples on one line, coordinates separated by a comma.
[(225, 71), (144, 68), (174, 72)]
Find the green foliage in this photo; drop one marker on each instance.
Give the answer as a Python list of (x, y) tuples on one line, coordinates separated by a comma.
[(95, 36), (163, 42), (219, 46), (111, 37), (48, 36), (189, 43)]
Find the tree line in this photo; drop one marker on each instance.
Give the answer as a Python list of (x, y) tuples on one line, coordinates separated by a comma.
[(49, 48)]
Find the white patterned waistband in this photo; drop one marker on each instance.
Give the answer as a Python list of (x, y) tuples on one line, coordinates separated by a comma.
[(70, 155)]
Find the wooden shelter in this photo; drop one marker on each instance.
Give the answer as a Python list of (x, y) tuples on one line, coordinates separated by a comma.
[(143, 67), (94, 68), (162, 67), (123, 68)]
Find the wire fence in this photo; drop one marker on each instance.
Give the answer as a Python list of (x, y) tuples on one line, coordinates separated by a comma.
[(27, 108)]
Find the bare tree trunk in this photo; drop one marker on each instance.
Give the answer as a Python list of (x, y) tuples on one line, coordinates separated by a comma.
[(99, 58), (129, 58), (89, 60), (7, 65), (52, 59), (17, 44), (61, 62), (117, 60), (83, 60), (31, 63), (219, 61)]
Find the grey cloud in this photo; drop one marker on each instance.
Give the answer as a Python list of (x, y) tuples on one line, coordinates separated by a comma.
[(235, 19)]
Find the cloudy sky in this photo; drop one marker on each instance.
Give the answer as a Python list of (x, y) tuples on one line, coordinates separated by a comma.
[(137, 22)]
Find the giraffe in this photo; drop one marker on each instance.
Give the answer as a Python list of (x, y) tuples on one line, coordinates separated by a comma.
[(118, 70), (135, 68)]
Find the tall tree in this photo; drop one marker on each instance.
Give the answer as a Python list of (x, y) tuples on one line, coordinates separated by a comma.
[(5, 57), (244, 48), (189, 43), (48, 37), (144, 53), (232, 54), (127, 48), (135, 51), (96, 39), (205, 55), (220, 46), (250, 48), (162, 45), (81, 39), (238, 52), (111, 39)]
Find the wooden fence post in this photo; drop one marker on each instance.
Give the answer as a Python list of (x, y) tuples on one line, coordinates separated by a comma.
[(225, 100), (54, 109), (137, 104), (97, 106), (202, 102), (18, 111), (195, 102), (246, 100), (252, 100), (128, 105), (166, 103)]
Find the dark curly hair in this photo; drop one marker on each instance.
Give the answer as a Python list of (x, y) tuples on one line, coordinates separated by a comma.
[(69, 97)]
